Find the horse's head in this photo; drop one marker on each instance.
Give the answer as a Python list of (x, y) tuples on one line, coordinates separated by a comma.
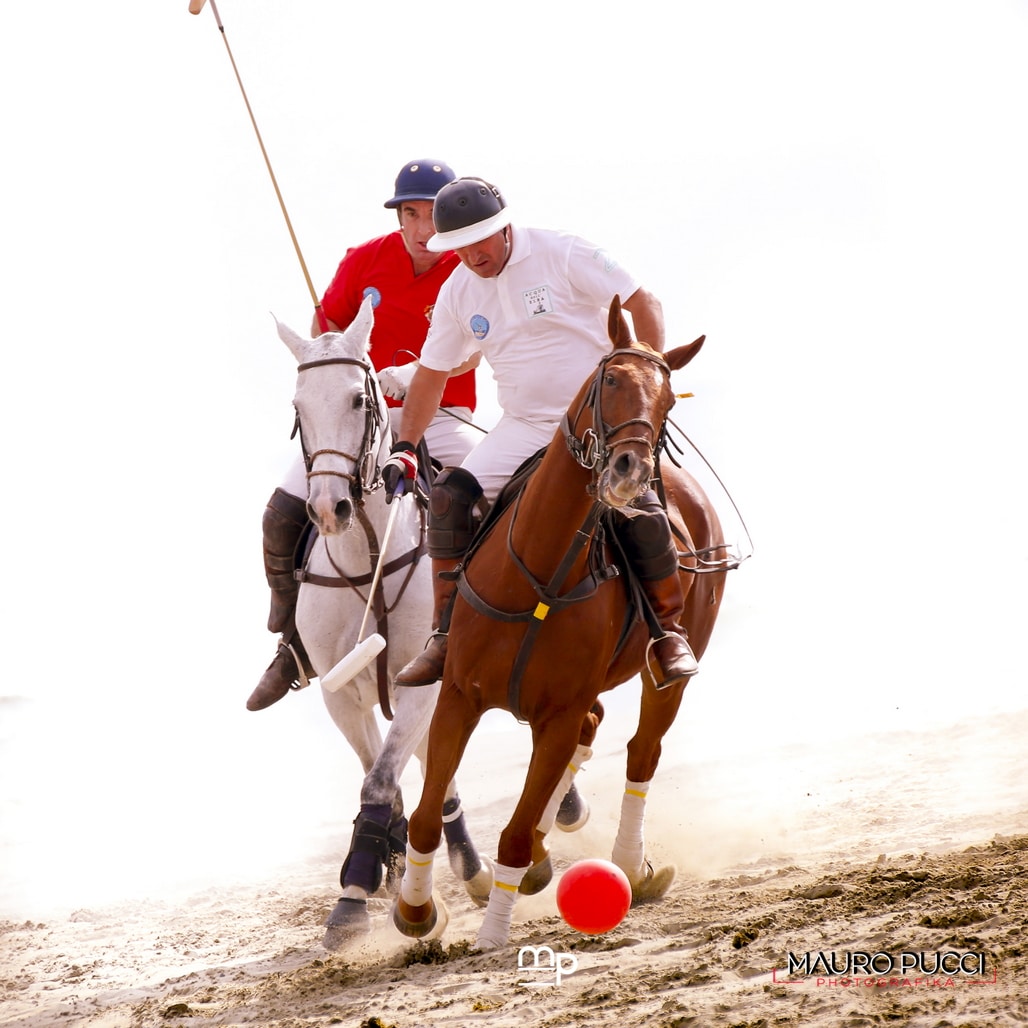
[(619, 414), (341, 418)]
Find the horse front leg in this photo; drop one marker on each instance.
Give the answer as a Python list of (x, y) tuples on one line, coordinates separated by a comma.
[(553, 748), (380, 830), (415, 912), (567, 808), (466, 863), (658, 711)]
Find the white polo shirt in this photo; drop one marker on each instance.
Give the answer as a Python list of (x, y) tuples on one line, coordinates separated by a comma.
[(541, 323)]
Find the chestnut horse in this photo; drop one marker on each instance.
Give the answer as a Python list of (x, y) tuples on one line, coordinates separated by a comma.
[(542, 574)]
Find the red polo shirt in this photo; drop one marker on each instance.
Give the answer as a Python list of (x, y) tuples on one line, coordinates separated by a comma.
[(403, 305)]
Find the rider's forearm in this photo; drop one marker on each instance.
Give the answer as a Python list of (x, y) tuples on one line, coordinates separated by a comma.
[(421, 403)]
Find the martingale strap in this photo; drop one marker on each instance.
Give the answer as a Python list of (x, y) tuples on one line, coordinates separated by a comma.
[(407, 560), (549, 601)]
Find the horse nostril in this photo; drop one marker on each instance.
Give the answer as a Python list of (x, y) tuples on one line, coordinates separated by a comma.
[(623, 464), (344, 508)]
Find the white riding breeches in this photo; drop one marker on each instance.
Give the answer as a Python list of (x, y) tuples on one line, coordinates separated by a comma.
[(504, 450)]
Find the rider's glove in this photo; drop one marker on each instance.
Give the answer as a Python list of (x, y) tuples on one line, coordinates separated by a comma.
[(395, 381), (399, 472)]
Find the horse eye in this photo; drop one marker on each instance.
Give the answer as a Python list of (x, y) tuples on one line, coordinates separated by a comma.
[(609, 380), (359, 401)]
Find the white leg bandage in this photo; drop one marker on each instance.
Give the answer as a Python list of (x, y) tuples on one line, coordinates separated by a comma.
[(495, 929), (416, 887), (582, 754), (630, 847)]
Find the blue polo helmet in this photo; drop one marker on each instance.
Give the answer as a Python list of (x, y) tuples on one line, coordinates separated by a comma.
[(420, 180)]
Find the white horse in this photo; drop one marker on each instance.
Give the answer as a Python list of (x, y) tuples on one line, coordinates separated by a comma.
[(343, 423)]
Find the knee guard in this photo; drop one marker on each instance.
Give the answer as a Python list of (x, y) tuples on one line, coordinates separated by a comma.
[(453, 513), (646, 539)]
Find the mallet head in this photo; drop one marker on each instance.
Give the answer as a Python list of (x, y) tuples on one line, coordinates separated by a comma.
[(196, 6)]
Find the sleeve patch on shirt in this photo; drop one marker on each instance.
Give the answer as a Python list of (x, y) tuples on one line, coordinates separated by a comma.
[(537, 301)]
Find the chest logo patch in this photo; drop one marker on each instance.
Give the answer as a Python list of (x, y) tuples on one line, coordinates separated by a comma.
[(537, 301), (376, 296), (479, 326)]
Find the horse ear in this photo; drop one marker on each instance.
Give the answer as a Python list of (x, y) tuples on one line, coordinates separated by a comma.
[(681, 355), (361, 325), (617, 326), (297, 344)]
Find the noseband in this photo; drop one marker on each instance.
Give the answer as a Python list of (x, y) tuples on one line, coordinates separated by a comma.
[(594, 450), (367, 474)]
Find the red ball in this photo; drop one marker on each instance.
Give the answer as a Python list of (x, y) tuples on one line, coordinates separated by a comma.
[(593, 896)]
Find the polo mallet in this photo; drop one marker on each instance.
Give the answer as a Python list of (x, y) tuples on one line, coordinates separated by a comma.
[(195, 7), (364, 652)]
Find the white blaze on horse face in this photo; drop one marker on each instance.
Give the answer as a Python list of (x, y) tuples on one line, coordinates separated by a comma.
[(330, 402), (629, 470)]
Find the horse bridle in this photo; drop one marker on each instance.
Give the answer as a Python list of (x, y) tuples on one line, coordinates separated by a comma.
[(594, 450), (366, 476)]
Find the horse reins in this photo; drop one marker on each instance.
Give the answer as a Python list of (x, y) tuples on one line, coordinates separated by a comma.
[(593, 452), (365, 478)]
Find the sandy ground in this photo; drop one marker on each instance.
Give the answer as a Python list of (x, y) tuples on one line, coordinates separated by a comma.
[(848, 861)]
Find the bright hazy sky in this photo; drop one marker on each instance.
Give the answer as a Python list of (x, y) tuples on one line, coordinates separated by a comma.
[(833, 193)]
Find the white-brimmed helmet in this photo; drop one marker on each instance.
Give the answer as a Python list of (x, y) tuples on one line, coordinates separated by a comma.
[(466, 211)]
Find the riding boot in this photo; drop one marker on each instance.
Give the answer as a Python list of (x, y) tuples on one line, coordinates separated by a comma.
[(672, 650), (647, 542), (288, 671), (427, 666), (285, 519)]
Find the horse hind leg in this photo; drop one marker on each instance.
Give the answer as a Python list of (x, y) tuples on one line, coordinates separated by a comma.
[(573, 812), (657, 714), (466, 863), (629, 852)]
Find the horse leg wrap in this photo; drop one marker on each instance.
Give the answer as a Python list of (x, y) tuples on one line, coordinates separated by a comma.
[(397, 851), (495, 930), (369, 848), (416, 888), (629, 851), (464, 860), (582, 754)]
